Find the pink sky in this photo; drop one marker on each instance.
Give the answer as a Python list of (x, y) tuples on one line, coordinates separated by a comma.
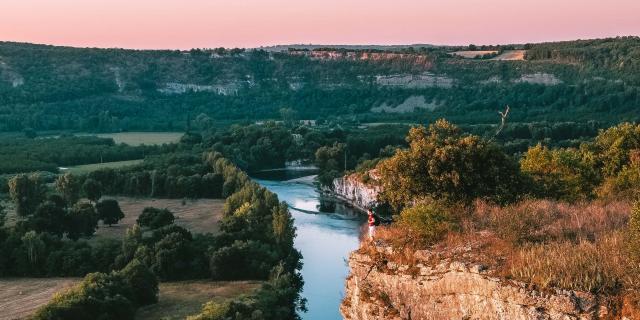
[(186, 24)]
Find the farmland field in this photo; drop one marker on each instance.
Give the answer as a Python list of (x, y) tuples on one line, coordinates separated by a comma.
[(20, 297), (139, 138), (198, 216), (85, 168), (181, 299)]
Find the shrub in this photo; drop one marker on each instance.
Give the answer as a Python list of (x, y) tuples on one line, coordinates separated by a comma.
[(142, 281), (155, 218), (98, 296), (633, 233), (430, 221)]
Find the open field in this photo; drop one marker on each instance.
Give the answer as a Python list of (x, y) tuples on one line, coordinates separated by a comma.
[(21, 297), (198, 216), (139, 138), (473, 54), (85, 168), (181, 299), (511, 55)]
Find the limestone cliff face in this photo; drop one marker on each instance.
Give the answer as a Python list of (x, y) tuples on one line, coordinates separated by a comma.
[(454, 290), (356, 192)]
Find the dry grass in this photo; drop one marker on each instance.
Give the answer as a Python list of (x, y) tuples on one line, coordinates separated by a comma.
[(198, 216), (545, 243), (19, 298), (471, 54), (511, 55), (181, 299)]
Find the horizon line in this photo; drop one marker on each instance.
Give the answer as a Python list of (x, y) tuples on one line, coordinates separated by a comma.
[(417, 44)]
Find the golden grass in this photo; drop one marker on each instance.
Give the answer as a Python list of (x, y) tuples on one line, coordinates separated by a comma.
[(198, 216), (20, 297), (181, 299)]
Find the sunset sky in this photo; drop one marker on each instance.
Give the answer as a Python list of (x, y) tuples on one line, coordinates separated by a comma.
[(183, 24)]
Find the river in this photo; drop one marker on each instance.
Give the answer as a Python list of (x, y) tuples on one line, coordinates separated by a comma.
[(326, 233)]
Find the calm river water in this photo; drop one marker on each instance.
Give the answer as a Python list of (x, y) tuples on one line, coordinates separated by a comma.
[(327, 233)]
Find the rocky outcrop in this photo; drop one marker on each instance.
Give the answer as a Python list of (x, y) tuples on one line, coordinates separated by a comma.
[(454, 290), (352, 189)]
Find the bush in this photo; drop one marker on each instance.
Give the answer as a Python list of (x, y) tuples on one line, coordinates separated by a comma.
[(142, 281), (98, 296), (430, 221), (633, 233), (155, 218)]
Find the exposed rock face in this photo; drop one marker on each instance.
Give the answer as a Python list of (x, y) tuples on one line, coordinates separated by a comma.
[(356, 192), (454, 291)]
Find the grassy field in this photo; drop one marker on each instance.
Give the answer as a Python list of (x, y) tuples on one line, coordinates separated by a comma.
[(511, 55), (95, 166), (472, 54), (139, 138), (181, 299), (21, 297), (198, 216)]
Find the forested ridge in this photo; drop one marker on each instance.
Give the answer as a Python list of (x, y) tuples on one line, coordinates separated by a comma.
[(62, 88)]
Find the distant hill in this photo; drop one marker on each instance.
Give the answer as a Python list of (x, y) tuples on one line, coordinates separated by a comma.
[(63, 88)]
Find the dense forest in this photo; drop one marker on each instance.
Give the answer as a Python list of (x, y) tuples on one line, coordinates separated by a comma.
[(61, 88)]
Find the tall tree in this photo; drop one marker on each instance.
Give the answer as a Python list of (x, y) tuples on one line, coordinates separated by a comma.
[(27, 192), (82, 221), (69, 186), (443, 163), (92, 189)]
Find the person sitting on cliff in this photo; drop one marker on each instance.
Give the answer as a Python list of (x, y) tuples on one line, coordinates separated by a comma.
[(372, 223)]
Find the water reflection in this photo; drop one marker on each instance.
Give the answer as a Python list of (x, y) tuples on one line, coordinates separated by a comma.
[(326, 233)]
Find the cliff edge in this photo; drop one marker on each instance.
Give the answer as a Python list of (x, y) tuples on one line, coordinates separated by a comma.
[(381, 289)]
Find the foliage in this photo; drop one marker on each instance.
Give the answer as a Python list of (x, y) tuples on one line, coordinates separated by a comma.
[(92, 189), (143, 282), (26, 192), (109, 211), (566, 174), (633, 232), (428, 220), (69, 186), (442, 163), (155, 218), (104, 296), (82, 221)]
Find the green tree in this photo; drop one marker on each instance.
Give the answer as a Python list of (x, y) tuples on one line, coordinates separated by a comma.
[(142, 281), (429, 221), (69, 186), (442, 163), (92, 189), (109, 211), (48, 217), (34, 246), (615, 145), (567, 174), (82, 221), (27, 192), (155, 218)]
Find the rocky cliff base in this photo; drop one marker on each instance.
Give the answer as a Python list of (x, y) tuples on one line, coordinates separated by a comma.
[(381, 289)]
